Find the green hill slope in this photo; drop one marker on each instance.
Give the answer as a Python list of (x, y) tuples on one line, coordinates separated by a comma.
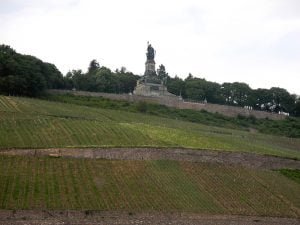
[(32, 123), (33, 182), (137, 186)]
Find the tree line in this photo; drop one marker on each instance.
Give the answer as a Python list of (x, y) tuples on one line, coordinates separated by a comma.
[(29, 76), (101, 79), (240, 94), (25, 75)]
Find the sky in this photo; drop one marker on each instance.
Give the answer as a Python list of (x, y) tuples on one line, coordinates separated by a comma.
[(251, 41)]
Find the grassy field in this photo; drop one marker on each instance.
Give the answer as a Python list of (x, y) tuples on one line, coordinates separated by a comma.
[(32, 123), (289, 127), (51, 183)]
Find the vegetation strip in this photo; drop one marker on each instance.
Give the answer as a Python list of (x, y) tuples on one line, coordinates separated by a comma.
[(289, 127), (32, 127), (157, 185), (293, 174)]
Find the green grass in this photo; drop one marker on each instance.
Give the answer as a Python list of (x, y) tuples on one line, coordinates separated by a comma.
[(289, 127), (57, 183), (32, 123), (292, 174), (60, 183)]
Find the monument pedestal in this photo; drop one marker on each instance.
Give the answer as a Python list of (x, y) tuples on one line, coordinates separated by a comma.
[(150, 84), (151, 89)]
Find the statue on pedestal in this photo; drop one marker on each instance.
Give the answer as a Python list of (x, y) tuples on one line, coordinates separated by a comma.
[(151, 84), (150, 72)]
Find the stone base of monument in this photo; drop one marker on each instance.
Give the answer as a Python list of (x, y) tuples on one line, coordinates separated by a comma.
[(150, 84), (152, 89)]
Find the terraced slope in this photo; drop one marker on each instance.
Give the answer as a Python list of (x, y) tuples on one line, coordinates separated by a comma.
[(136, 186), (206, 187), (32, 123)]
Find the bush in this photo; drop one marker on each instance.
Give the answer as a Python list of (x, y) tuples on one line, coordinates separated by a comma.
[(142, 107)]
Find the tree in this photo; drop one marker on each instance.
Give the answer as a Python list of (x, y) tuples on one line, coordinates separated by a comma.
[(53, 80), (79, 79), (105, 81), (297, 108), (126, 81), (235, 93), (189, 77), (25, 74), (176, 86), (123, 70), (68, 81), (283, 99), (194, 88), (201, 90), (161, 72), (261, 99), (93, 67)]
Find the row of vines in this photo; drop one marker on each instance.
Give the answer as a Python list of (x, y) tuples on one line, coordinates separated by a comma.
[(49, 183)]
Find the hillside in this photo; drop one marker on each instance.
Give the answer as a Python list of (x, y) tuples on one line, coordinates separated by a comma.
[(282, 126), (154, 172), (32, 123), (136, 186)]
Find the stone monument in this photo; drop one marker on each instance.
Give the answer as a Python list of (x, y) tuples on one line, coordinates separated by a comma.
[(150, 84)]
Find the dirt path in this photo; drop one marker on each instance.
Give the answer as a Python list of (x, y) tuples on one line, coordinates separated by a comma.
[(39, 217), (228, 158)]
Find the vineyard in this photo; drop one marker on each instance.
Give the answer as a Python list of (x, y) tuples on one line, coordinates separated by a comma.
[(82, 184), (212, 188), (32, 123)]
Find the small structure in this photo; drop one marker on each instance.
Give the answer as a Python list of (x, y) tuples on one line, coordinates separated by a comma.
[(150, 84)]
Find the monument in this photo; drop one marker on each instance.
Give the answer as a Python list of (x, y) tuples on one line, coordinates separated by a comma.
[(150, 84)]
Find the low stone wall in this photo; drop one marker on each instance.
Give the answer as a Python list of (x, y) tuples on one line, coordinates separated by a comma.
[(176, 102)]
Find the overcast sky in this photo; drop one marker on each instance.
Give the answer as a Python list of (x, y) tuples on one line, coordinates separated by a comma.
[(251, 41)]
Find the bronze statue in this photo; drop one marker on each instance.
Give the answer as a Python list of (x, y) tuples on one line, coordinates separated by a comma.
[(150, 52)]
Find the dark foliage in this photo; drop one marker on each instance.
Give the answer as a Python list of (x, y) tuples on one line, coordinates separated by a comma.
[(26, 75), (101, 79), (292, 174), (237, 94)]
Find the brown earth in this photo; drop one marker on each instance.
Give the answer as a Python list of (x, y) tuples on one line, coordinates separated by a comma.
[(43, 217), (229, 158)]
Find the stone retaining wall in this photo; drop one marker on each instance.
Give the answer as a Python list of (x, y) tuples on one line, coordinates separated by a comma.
[(176, 102)]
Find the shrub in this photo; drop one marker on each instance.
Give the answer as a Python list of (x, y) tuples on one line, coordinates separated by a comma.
[(142, 107)]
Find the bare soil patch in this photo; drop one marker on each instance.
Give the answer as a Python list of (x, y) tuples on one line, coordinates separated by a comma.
[(229, 158), (43, 217)]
